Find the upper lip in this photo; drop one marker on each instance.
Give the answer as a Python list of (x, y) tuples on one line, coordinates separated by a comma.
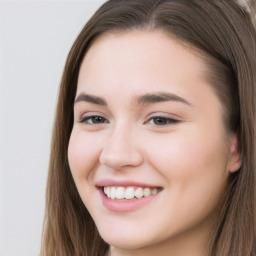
[(122, 183)]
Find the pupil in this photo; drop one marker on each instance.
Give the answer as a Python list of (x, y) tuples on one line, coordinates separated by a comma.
[(98, 119), (160, 120)]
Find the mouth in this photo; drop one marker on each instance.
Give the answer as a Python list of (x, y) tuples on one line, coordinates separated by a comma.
[(125, 196), (129, 193)]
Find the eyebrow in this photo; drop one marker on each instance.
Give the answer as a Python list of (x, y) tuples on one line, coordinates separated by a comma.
[(160, 97), (149, 98), (90, 98)]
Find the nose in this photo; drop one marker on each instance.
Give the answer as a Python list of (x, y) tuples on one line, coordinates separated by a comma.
[(121, 150)]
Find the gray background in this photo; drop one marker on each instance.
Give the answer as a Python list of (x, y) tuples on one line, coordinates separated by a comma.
[(35, 37)]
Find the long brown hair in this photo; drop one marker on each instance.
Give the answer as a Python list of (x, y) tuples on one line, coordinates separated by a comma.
[(224, 33)]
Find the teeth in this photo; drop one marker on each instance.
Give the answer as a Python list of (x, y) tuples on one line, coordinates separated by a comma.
[(120, 193), (154, 191), (113, 193), (138, 193), (129, 192), (146, 192), (108, 192)]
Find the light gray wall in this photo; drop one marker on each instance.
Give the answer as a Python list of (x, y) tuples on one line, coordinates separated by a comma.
[(35, 37)]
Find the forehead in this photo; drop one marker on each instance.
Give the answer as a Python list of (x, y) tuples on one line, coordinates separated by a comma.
[(142, 45), (139, 57)]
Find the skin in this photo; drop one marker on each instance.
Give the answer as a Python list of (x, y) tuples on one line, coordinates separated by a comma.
[(190, 159)]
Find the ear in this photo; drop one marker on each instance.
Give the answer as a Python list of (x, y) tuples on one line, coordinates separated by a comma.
[(235, 158)]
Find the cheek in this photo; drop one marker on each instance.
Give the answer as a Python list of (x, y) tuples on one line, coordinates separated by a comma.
[(193, 166), (82, 154), (186, 154)]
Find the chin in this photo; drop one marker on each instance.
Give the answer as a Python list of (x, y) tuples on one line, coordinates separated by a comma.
[(126, 241)]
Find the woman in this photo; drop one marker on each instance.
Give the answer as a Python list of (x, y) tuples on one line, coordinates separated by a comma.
[(153, 149)]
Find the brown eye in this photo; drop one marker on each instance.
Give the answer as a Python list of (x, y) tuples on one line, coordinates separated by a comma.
[(93, 120), (160, 121)]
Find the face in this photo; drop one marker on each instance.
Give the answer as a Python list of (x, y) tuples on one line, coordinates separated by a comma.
[(149, 152)]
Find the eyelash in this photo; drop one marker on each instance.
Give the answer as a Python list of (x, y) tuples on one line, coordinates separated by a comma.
[(90, 120), (86, 119), (165, 120)]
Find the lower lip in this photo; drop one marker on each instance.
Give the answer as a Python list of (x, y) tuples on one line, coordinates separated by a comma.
[(125, 205)]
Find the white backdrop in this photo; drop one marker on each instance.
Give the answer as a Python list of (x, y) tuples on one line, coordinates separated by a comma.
[(35, 37)]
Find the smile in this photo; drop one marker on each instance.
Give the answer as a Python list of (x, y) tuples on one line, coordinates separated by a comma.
[(128, 193), (126, 198)]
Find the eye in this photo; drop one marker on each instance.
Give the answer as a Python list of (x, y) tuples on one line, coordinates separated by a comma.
[(161, 121), (93, 120)]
